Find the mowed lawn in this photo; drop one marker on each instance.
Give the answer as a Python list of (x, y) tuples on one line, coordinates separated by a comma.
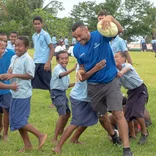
[(95, 137)]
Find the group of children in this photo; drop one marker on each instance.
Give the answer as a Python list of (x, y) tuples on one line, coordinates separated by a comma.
[(21, 71)]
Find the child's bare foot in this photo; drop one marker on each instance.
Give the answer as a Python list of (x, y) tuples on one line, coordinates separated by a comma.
[(51, 106), (5, 138), (42, 139), (25, 149), (56, 150), (54, 142), (76, 142)]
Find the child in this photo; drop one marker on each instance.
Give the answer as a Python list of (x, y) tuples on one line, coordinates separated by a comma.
[(82, 112), (43, 54), (21, 70), (5, 94), (59, 84), (12, 37), (137, 95)]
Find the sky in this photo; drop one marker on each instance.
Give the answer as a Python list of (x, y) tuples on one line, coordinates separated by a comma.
[(68, 5)]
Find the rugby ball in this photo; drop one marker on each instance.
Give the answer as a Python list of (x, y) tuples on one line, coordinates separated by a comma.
[(111, 31)]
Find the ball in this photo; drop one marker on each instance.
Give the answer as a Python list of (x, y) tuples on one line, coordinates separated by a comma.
[(111, 31)]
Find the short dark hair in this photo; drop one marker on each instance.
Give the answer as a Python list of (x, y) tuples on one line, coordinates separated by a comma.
[(37, 18), (25, 40), (3, 34), (60, 52), (102, 13), (76, 25), (14, 32)]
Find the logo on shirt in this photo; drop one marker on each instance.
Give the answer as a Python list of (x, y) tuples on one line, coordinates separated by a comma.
[(82, 55), (96, 45)]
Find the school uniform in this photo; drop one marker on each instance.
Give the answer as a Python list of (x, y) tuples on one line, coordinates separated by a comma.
[(118, 44), (154, 45), (20, 106), (137, 93), (82, 111), (5, 95), (58, 86), (10, 46), (41, 55), (103, 85)]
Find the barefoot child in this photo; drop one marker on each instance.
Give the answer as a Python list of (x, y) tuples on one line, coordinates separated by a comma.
[(5, 95), (59, 84), (82, 112), (21, 70), (137, 95)]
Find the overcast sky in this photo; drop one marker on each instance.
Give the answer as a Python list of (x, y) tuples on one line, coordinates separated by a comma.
[(68, 5)]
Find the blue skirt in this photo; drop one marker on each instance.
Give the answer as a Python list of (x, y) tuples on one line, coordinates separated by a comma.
[(82, 113), (42, 77), (19, 113)]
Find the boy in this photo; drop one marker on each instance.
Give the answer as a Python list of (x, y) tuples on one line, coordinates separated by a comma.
[(82, 112), (5, 94), (21, 70), (137, 95), (59, 84), (44, 52), (12, 37)]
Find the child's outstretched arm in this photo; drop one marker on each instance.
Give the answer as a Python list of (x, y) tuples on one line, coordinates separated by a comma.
[(20, 76), (67, 72), (123, 71), (85, 75), (12, 86)]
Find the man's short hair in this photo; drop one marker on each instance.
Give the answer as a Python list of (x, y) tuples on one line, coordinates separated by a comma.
[(76, 25)]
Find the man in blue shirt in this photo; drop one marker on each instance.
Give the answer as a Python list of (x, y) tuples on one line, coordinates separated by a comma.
[(103, 86)]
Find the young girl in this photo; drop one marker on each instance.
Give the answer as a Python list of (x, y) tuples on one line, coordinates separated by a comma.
[(21, 70)]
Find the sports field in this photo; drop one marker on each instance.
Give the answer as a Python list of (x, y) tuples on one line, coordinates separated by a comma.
[(95, 138)]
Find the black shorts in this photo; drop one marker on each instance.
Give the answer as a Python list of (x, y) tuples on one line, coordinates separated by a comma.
[(42, 77)]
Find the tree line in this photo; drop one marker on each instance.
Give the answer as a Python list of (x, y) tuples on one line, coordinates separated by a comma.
[(136, 16)]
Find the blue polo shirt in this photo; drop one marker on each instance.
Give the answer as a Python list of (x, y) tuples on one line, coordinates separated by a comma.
[(118, 44), (95, 50), (42, 50), (4, 65)]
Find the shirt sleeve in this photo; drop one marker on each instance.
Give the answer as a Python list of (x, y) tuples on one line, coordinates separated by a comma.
[(123, 46), (47, 38), (30, 67)]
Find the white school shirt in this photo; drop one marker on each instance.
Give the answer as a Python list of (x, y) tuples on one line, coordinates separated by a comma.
[(57, 82), (22, 65)]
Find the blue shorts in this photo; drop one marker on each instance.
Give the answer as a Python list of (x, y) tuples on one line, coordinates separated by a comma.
[(19, 113), (82, 113), (60, 101), (5, 101)]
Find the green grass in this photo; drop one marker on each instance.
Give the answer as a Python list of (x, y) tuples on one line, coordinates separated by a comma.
[(95, 138)]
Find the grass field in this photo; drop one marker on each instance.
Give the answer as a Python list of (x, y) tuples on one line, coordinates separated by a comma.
[(95, 138)]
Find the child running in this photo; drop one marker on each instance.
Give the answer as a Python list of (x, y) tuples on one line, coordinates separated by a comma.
[(137, 95), (59, 84), (21, 70), (82, 112)]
